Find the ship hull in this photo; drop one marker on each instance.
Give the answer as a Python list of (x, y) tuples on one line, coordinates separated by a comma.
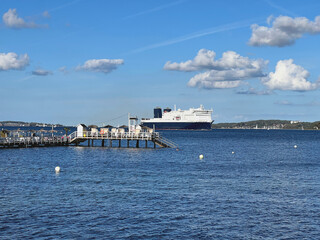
[(178, 126)]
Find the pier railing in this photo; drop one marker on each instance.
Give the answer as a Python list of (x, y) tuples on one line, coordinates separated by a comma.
[(167, 142), (113, 135), (33, 141), (78, 137)]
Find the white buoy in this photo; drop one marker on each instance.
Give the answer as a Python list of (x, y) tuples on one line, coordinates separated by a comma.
[(200, 156), (295, 146), (57, 169), (232, 152)]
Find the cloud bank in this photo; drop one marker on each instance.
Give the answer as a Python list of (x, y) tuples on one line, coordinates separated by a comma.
[(11, 61), (284, 31), (289, 76), (100, 65), (12, 20), (226, 72)]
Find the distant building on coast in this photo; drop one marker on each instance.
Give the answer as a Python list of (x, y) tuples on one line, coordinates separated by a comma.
[(294, 122)]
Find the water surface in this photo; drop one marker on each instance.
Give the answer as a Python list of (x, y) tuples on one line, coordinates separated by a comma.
[(266, 189)]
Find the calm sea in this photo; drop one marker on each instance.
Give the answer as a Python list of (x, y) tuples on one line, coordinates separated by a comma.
[(266, 189)]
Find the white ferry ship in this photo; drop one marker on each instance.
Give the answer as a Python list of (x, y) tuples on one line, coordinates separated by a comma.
[(194, 118)]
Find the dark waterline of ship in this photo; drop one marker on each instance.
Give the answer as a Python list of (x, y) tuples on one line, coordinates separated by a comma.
[(251, 184)]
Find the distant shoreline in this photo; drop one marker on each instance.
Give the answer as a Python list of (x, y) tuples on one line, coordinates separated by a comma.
[(27, 124), (269, 124)]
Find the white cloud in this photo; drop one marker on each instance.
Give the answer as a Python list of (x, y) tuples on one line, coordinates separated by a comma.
[(205, 80), (284, 31), (205, 61), (307, 104), (12, 20), (101, 65), (217, 78), (41, 72), (46, 14), (284, 102), (11, 60), (226, 72), (64, 70), (270, 19), (253, 91), (289, 76)]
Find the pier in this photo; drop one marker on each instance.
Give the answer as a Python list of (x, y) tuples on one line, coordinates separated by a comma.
[(115, 138), (121, 139), (26, 142), (105, 136)]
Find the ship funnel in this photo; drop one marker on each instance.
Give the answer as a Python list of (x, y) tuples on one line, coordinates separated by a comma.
[(167, 110), (157, 112)]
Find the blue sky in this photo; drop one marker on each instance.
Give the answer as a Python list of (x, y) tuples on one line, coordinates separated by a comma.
[(95, 61)]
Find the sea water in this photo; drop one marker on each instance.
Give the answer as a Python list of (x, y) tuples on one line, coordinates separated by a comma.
[(251, 184)]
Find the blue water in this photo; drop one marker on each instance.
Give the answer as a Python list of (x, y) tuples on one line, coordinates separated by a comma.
[(267, 189)]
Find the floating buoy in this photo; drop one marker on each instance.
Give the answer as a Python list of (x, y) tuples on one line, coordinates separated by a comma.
[(200, 156), (295, 146), (57, 169), (232, 152)]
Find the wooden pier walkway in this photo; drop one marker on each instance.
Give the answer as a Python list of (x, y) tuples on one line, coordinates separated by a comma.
[(75, 138), (154, 137)]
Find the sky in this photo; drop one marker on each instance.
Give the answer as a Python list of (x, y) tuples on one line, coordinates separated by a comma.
[(93, 62)]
